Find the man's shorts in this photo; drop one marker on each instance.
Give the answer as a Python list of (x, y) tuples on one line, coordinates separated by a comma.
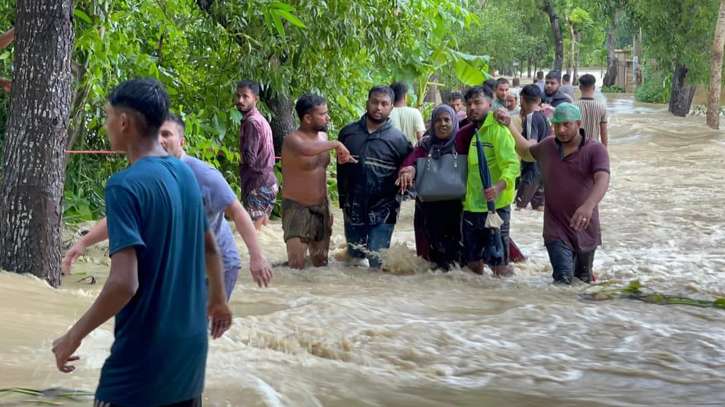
[(259, 202), (478, 239), (308, 223)]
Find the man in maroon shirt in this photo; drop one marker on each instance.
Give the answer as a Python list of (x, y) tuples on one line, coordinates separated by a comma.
[(575, 171), (256, 170)]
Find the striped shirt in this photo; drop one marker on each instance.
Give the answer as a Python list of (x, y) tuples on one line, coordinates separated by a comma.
[(594, 113)]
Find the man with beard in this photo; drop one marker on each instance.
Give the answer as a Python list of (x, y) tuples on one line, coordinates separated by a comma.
[(368, 194), (256, 171), (306, 217), (553, 95), (575, 170)]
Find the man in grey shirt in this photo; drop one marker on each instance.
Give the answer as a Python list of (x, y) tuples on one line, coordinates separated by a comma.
[(218, 199)]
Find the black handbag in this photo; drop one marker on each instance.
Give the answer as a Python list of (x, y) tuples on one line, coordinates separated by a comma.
[(442, 178)]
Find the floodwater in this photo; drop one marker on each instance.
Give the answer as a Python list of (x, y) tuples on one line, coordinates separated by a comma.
[(339, 336)]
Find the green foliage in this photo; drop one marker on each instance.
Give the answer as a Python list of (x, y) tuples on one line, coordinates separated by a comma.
[(655, 88), (676, 32), (612, 89)]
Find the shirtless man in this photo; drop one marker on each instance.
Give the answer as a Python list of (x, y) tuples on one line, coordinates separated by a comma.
[(306, 217)]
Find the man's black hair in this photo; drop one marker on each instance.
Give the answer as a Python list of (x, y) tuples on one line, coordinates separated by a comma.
[(554, 75), (251, 85), (540, 75), (501, 81), (587, 81), (400, 89), (308, 102), (454, 96), (147, 98), (566, 77), (176, 119), (489, 87), (385, 90), (531, 93), (477, 91)]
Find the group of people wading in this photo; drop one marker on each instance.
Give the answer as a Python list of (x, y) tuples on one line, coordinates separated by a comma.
[(166, 213)]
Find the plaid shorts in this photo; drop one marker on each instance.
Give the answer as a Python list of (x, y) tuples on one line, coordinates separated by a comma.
[(259, 202)]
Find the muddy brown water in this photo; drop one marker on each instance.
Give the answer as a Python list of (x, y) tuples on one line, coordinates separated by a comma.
[(341, 336)]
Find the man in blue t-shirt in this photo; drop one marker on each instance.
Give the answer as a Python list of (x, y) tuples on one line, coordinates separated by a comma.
[(218, 199), (160, 244)]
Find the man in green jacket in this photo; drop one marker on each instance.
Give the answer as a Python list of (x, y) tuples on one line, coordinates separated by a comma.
[(503, 165)]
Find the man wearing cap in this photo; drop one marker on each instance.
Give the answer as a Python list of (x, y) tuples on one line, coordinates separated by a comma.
[(575, 170)]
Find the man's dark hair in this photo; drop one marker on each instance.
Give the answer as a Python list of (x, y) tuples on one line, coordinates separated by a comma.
[(145, 97), (587, 81), (176, 119), (454, 96), (531, 93), (400, 89), (554, 75), (308, 102), (501, 81), (251, 85), (489, 87), (566, 77), (384, 90), (477, 91), (540, 75)]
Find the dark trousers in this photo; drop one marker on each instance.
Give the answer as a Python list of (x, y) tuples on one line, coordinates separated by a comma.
[(530, 189), (478, 239), (569, 263), (368, 240), (440, 226)]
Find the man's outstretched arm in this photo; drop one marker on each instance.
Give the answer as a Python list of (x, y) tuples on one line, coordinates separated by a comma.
[(258, 266), (219, 314), (7, 38), (97, 234), (120, 287)]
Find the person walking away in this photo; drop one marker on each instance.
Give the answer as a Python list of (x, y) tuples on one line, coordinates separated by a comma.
[(256, 170), (567, 87), (368, 195), (594, 112), (553, 94), (575, 169), (159, 243), (407, 119), (535, 127), (440, 221), (218, 200), (539, 81), (306, 216)]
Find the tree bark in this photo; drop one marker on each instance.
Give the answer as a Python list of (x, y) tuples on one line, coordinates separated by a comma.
[(713, 99), (682, 93), (575, 75), (556, 31), (283, 121), (610, 78), (33, 163)]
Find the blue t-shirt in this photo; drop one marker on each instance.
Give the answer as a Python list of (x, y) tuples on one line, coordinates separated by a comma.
[(217, 195), (159, 353)]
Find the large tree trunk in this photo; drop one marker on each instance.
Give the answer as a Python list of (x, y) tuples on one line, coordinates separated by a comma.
[(713, 99), (32, 187), (682, 93), (575, 75), (556, 30), (283, 122), (610, 78)]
